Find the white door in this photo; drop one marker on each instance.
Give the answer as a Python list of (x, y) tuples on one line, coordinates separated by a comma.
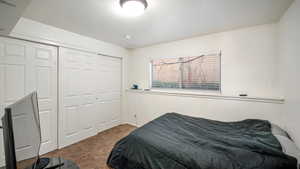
[(77, 96), (108, 92), (90, 88), (25, 67)]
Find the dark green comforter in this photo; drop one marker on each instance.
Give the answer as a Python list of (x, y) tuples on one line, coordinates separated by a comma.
[(175, 141)]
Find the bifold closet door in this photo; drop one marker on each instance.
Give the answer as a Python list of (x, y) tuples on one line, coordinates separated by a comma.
[(89, 94), (77, 96), (108, 96), (25, 67)]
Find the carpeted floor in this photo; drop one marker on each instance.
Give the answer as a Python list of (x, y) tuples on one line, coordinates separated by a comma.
[(92, 153)]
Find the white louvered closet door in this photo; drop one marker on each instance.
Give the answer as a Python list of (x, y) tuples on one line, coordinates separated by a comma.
[(25, 67)]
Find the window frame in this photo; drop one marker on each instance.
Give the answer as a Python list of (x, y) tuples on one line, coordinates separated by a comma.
[(219, 91)]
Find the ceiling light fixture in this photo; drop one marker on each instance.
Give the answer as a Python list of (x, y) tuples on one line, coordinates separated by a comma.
[(133, 7)]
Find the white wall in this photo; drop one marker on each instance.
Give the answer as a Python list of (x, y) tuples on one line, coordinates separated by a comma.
[(249, 59), (149, 106), (290, 67), (249, 64)]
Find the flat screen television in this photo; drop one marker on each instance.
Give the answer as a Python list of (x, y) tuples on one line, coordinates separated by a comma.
[(22, 134)]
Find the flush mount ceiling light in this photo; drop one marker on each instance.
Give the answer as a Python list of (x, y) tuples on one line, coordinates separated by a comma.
[(133, 7)]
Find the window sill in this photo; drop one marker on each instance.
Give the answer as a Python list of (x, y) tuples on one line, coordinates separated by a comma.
[(208, 95)]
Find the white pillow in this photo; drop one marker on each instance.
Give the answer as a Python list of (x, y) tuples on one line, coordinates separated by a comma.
[(289, 147), (276, 130)]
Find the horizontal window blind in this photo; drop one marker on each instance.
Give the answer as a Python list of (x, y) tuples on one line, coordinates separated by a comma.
[(196, 72)]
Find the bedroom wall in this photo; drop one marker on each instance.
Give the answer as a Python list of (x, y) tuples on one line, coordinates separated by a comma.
[(249, 64), (147, 107), (249, 59), (289, 41)]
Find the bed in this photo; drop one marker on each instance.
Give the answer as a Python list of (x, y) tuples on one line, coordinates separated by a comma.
[(175, 141)]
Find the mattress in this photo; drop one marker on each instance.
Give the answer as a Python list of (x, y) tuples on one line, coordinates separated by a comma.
[(175, 141)]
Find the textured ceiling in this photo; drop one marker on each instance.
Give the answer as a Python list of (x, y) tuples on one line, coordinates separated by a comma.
[(163, 21)]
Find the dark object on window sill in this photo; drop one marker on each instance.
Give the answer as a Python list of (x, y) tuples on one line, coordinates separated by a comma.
[(243, 95), (135, 87)]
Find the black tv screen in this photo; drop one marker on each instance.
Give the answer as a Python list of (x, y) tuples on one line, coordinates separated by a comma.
[(8, 136)]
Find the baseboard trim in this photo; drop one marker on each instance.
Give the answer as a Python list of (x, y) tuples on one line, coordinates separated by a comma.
[(132, 124)]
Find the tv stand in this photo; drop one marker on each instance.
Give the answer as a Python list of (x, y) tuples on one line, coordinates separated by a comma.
[(53, 163), (42, 163)]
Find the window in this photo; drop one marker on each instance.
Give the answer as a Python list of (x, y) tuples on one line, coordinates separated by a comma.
[(197, 72)]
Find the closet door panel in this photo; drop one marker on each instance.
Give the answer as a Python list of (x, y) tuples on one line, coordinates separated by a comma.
[(25, 67), (14, 82), (71, 100), (109, 92), (45, 79), (71, 125), (77, 96), (116, 110), (90, 94)]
